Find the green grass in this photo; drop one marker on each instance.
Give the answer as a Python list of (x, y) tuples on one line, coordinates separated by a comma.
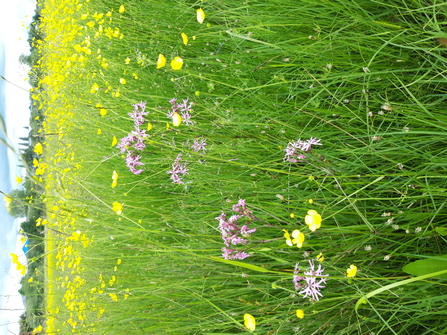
[(365, 77)]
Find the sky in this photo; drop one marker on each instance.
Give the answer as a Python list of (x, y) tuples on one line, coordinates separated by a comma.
[(15, 16)]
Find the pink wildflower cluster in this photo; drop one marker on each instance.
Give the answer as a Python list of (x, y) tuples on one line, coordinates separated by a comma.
[(234, 232), (199, 144), (183, 109), (312, 285), (295, 149), (134, 141), (178, 169)]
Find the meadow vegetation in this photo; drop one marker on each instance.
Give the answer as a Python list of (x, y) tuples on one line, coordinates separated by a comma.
[(224, 167)]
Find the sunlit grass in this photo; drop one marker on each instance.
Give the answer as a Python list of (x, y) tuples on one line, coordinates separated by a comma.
[(145, 256)]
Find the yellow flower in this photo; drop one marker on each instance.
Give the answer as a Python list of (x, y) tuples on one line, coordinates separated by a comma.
[(103, 112), (249, 322), (185, 39), (313, 220), (176, 119), (320, 257), (351, 271), (113, 296), (311, 201), (19, 180), (38, 149), (114, 179), (177, 63), (161, 61), (117, 208), (149, 126), (292, 215), (299, 313), (99, 131), (37, 329), (123, 81), (167, 126), (127, 61), (114, 141), (118, 262), (298, 238), (200, 15), (121, 10), (30, 280)]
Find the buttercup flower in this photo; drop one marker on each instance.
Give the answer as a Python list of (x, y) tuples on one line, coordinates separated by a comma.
[(117, 208), (121, 10), (249, 322), (161, 61), (313, 220), (38, 149), (351, 271), (19, 180), (176, 119), (320, 257), (200, 15), (114, 179), (299, 313), (298, 238), (177, 63), (185, 39)]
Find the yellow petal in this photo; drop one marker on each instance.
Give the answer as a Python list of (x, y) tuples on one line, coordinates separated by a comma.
[(185, 39), (249, 322), (114, 141), (121, 10), (177, 63), (161, 61), (200, 15), (176, 119), (299, 313)]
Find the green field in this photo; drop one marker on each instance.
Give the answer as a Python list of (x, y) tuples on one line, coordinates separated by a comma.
[(183, 141)]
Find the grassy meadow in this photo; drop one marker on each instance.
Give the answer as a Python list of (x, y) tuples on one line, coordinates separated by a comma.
[(177, 216)]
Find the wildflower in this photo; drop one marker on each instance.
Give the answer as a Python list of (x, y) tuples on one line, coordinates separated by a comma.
[(38, 148), (368, 248), (161, 61), (99, 132), (121, 10), (132, 161), (320, 257), (249, 320), (113, 296), (114, 179), (387, 257), (19, 180), (313, 280), (123, 81), (177, 63), (293, 150), (292, 215), (177, 168), (176, 119), (351, 271), (233, 254), (199, 144), (200, 15), (298, 238), (313, 220), (114, 141), (299, 313), (185, 39), (117, 208)]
